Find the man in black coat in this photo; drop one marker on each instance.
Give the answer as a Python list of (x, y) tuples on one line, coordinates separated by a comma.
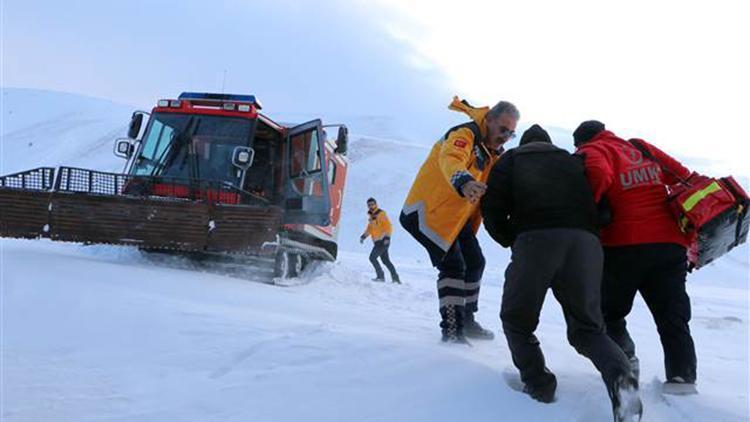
[(539, 203)]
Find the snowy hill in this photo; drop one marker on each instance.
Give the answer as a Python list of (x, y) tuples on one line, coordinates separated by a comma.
[(41, 128), (103, 333)]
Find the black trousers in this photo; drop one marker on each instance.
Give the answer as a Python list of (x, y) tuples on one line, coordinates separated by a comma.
[(658, 271), (380, 250), (570, 262), (460, 272)]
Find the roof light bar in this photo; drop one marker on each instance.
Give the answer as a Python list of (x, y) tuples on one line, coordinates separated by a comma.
[(163, 103), (175, 103), (228, 106), (243, 107), (207, 96)]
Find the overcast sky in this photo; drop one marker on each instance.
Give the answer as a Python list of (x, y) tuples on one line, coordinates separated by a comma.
[(673, 72), (322, 57)]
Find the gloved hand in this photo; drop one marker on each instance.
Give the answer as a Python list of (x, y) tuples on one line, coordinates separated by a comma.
[(387, 241), (362, 239), (473, 190)]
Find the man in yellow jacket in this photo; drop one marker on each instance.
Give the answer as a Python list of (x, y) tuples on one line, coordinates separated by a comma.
[(380, 230), (442, 210)]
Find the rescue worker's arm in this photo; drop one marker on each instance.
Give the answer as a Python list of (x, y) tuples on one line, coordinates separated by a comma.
[(497, 202), (387, 227), (367, 232), (455, 156), (599, 170)]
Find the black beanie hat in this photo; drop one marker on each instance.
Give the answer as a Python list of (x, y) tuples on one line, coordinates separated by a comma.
[(535, 134), (586, 131)]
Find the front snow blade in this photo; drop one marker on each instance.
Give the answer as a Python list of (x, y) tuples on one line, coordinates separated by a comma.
[(24, 203), (105, 208)]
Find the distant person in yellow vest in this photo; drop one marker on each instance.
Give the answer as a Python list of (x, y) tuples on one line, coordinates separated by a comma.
[(379, 228), (442, 211)]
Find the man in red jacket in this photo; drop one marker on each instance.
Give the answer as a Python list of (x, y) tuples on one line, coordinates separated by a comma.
[(644, 249)]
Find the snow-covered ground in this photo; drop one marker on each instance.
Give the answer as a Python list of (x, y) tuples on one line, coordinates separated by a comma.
[(105, 334)]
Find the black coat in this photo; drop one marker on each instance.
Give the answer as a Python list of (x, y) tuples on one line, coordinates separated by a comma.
[(537, 186)]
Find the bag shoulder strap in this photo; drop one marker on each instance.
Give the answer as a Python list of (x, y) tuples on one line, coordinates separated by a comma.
[(646, 153)]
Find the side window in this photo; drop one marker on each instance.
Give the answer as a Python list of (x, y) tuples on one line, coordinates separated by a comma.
[(313, 158), (154, 145), (299, 145), (331, 172), (304, 153), (150, 143), (305, 165), (158, 140)]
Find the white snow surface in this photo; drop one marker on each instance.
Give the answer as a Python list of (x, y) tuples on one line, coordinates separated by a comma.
[(101, 333)]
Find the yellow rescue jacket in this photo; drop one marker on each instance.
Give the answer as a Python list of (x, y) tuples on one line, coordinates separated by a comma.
[(458, 157), (379, 226)]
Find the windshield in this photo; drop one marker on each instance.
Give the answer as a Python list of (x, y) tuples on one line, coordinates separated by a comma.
[(192, 147)]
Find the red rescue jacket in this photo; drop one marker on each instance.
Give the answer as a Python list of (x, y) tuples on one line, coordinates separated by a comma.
[(636, 189)]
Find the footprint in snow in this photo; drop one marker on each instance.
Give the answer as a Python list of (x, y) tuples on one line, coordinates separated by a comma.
[(720, 323)]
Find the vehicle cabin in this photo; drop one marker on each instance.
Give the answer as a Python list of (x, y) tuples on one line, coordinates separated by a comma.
[(224, 139)]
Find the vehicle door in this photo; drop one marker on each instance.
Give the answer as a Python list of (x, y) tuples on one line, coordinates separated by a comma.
[(307, 200)]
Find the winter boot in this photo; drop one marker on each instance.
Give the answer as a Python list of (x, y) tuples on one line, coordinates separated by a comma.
[(396, 280), (626, 403), (452, 324), (679, 387), (544, 390), (473, 330), (379, 279)]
